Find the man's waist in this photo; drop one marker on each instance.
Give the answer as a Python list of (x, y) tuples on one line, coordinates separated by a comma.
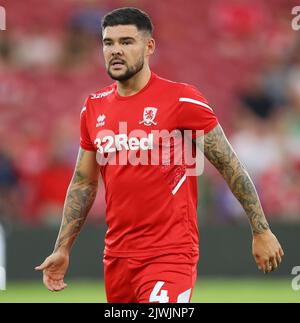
[(120, 253)]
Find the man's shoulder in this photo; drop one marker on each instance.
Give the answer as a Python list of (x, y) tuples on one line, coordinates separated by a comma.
[(175, 85), (170, 83)]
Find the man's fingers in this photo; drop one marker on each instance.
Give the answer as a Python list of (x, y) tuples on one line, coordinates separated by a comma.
[(281, 252), (278, 257), (265, 269), (268, 266), (39, 268), (63, 284), (59, 285), (44, 265), (259, 263), (54, 285), (274, 263), (48, 283), (260, 266)]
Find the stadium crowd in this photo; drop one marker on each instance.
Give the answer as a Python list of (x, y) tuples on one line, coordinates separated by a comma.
[(244, 57)]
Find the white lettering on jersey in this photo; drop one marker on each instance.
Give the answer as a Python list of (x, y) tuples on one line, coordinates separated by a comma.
[(110, 144), (121, 141), (101, 95)]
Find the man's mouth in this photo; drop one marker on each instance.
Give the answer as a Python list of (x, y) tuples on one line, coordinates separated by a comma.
[(117, 63)]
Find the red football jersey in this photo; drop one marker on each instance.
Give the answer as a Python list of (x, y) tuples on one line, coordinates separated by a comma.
[(150, 208)]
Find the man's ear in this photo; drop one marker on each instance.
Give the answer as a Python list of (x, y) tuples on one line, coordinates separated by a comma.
[(151, 46)]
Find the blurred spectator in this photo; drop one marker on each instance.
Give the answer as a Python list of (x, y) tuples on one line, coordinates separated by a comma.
[(51, 187), (9, 190), (293, 86), (78, 47), (292, 115), (257, 145), (256, 99), (239, 19), (38, 48), (274, 80), (5, 50), (30, 159), (280, 191), (239, 26), (88, 18)]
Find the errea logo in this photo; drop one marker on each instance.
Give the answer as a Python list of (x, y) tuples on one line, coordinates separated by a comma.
[(100, 120)]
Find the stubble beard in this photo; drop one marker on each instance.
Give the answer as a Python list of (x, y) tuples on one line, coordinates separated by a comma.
[(129, 73)]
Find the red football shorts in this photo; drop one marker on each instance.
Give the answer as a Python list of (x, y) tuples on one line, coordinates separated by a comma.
[(157, 279)]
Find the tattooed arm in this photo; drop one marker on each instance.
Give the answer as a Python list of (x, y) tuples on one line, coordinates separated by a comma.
[(220, 153), (265, 247), (79, 200)]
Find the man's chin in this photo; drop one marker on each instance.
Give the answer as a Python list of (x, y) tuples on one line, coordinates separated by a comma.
[(119, 76)]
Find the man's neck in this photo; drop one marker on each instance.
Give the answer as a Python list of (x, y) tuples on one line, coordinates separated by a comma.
[(135, 83)]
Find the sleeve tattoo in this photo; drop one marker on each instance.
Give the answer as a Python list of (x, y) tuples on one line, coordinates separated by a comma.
[(79, 200), (220, 153)]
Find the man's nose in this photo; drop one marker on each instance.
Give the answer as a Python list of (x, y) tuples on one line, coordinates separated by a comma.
[(117, 50)]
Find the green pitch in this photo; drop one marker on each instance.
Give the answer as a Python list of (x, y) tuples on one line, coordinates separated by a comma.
[(207, 290)]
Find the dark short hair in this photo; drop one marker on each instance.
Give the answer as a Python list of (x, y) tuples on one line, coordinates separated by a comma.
[(128, 16)]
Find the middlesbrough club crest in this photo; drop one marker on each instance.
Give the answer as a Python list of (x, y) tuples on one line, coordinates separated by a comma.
[(149, 116)]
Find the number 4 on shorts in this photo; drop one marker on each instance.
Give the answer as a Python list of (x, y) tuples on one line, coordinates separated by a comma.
[(160, 298), (163, 296)]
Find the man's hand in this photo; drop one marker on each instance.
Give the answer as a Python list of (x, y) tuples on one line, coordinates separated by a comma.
[(266, 251), (54, 268)]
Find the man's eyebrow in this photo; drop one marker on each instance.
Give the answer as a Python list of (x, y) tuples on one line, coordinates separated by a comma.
[(121, 38), (127, 38)]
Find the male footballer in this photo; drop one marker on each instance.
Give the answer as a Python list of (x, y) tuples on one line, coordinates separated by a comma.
[(152, 244)]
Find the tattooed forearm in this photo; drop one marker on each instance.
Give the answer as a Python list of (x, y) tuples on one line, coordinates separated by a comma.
[(219, 152), (79, 200)]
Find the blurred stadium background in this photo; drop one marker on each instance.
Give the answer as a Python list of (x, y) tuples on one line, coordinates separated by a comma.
[(244, 56)]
